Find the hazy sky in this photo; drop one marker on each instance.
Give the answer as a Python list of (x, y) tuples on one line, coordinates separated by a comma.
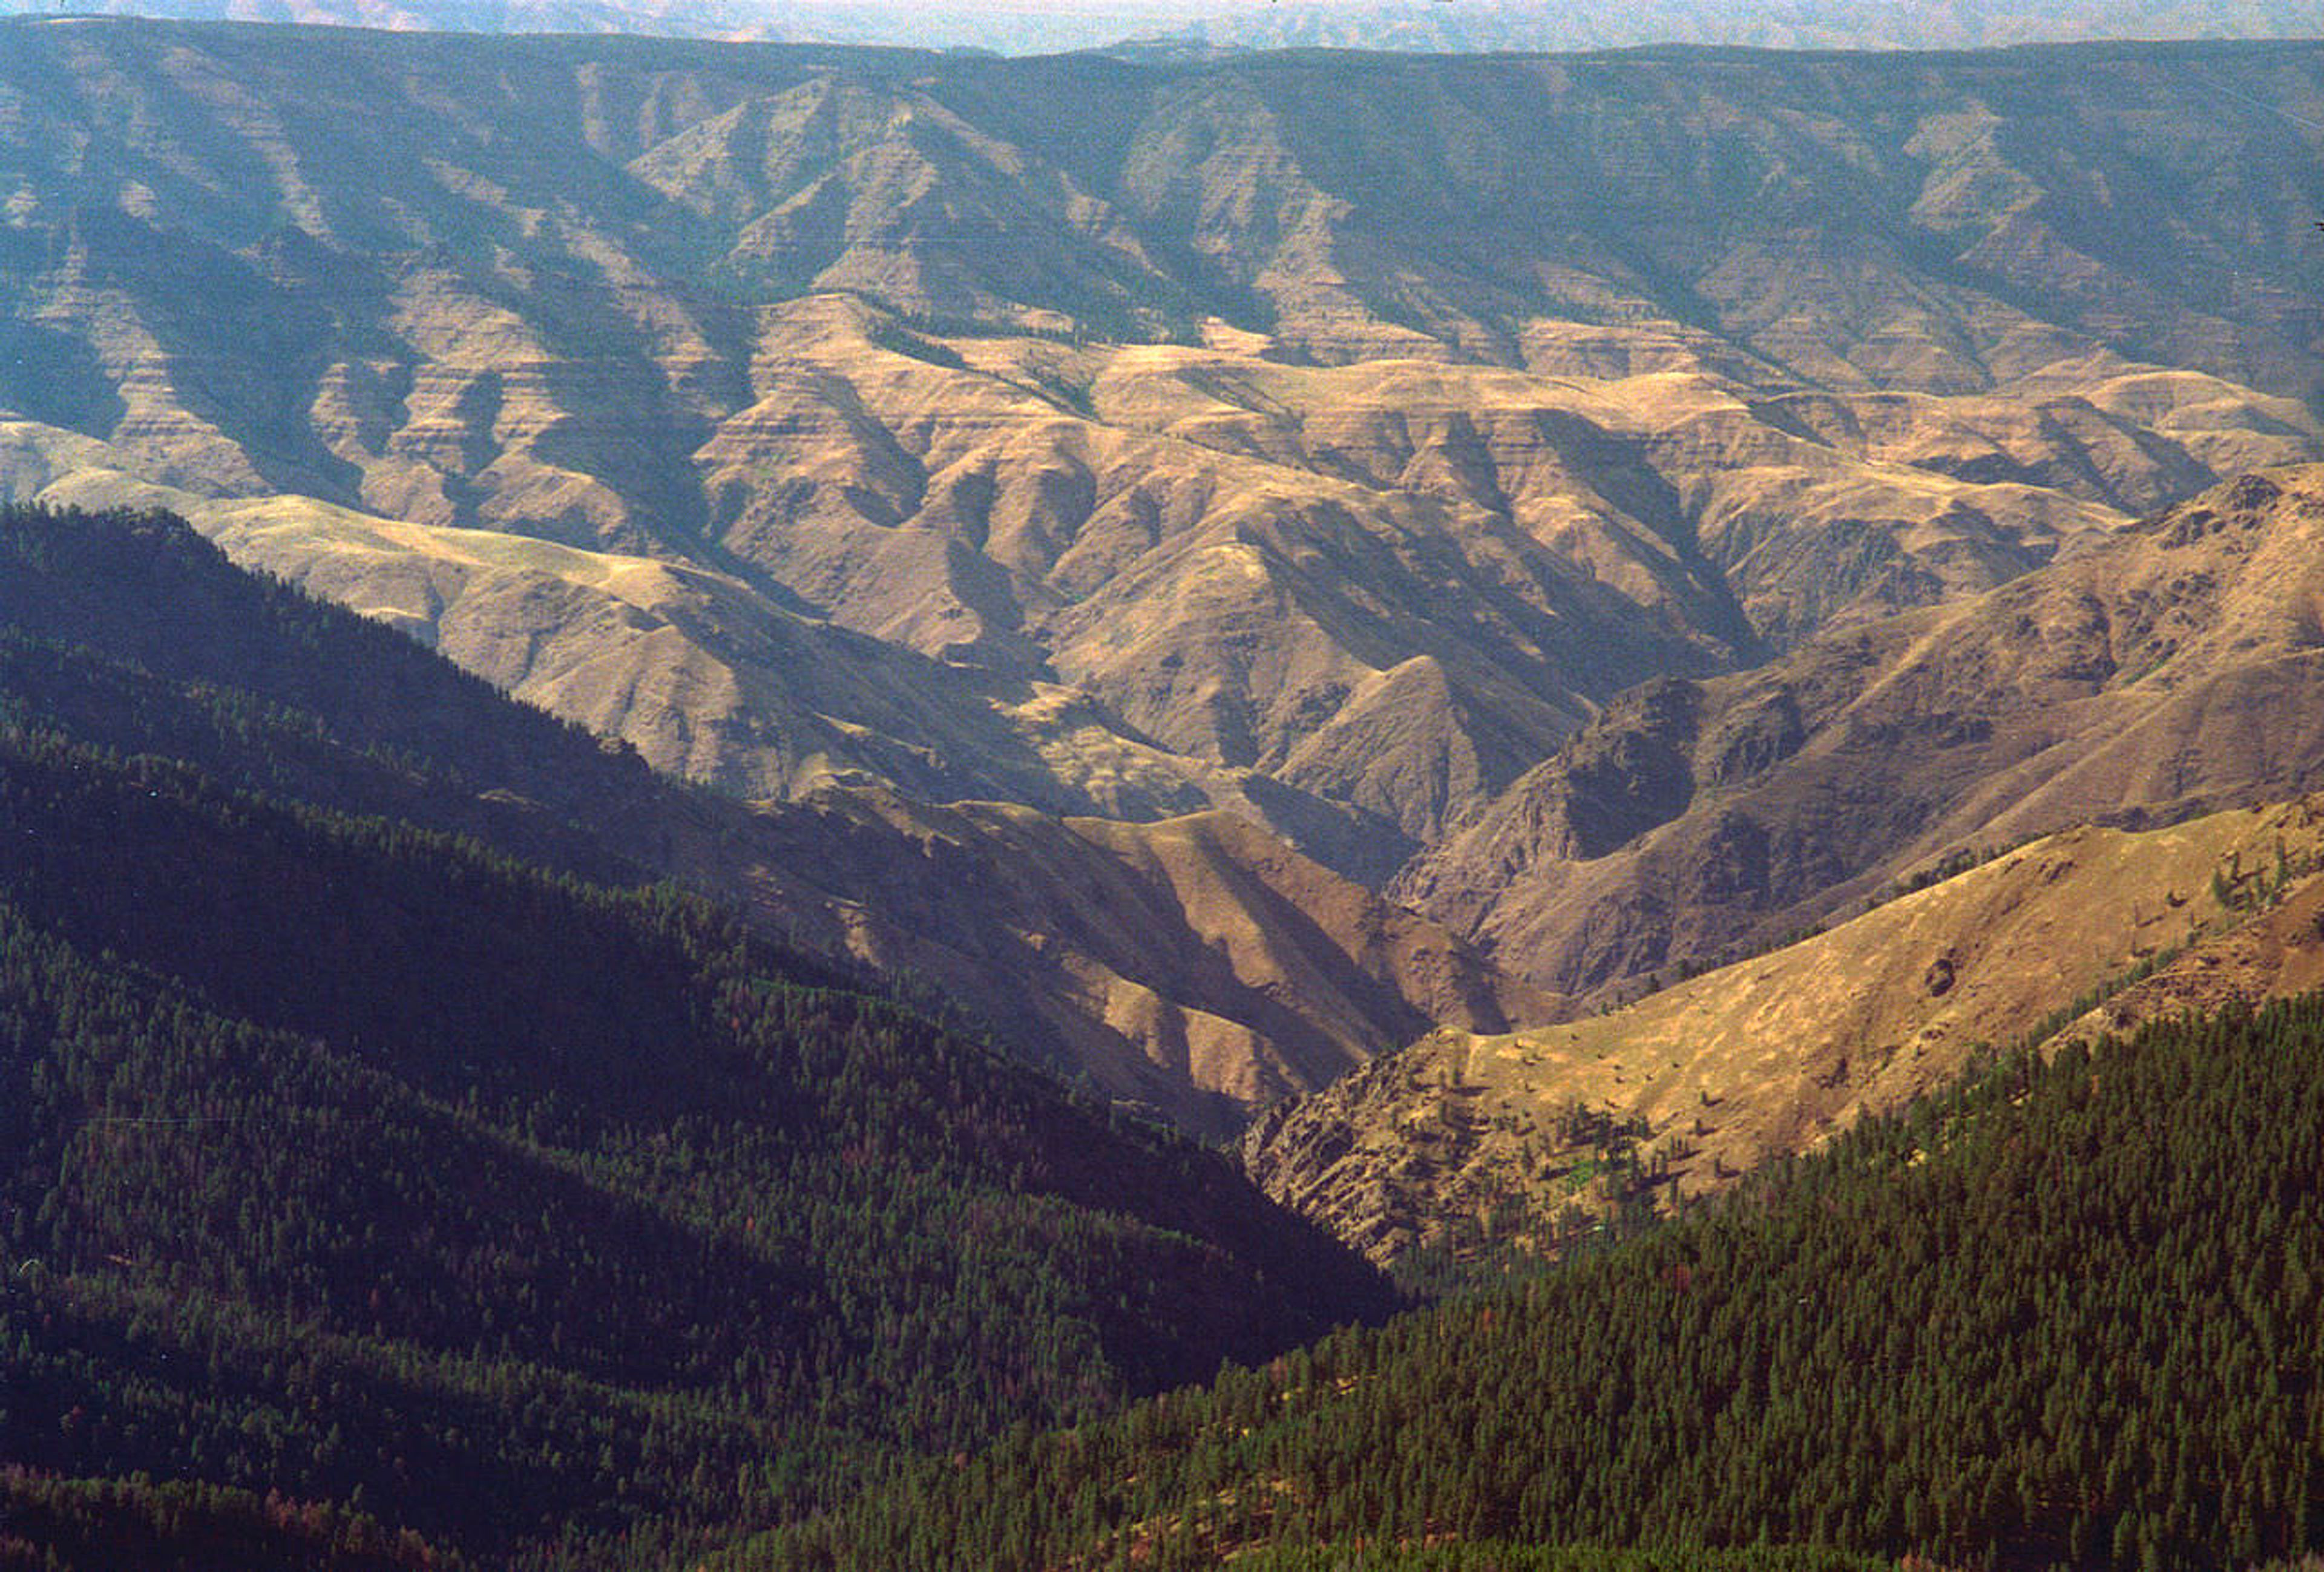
[(1021, 26)]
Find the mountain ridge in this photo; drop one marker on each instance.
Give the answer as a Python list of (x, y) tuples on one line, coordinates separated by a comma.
[(1194, 30), (1478, 1147), (934, 896), (2002, 1299), (2115, 685), (1323, 439), (348, 1156)]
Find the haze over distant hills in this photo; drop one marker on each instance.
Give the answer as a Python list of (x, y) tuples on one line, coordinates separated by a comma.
[(1445, 26)]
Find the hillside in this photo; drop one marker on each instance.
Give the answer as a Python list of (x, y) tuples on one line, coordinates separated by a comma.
[(2170, 672), (83, 1525), (1352, 602), (1356, 424), (1073, 600), (542, 197), (2067, 1315), (1322, 441), (1467, 1146), (353, 1161), (1195, 966)]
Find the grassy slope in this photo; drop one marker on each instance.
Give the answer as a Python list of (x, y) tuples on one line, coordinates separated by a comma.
[(1771, 1055)]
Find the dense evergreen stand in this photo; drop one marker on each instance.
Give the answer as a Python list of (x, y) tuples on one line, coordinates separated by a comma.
[(2071, 1315), (357, 1177)]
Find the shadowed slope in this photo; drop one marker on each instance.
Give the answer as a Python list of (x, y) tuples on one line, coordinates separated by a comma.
[(2168, 672), (346, 1157), (1195, 965)]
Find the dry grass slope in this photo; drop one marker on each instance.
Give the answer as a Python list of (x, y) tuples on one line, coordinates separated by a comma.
[(2167, 672), (1549, 375), (1320, 441), (1773, 1054)]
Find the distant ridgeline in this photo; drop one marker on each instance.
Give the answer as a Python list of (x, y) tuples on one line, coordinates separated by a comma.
[(370, 1198), (2070, 1314), (129, 632)]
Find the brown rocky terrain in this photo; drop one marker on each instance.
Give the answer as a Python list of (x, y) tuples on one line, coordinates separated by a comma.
[(1704, 1080), (708, 677), (1390, 588), (2170, 671), (1619, 364), (1195, 965), (1320, 441)]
